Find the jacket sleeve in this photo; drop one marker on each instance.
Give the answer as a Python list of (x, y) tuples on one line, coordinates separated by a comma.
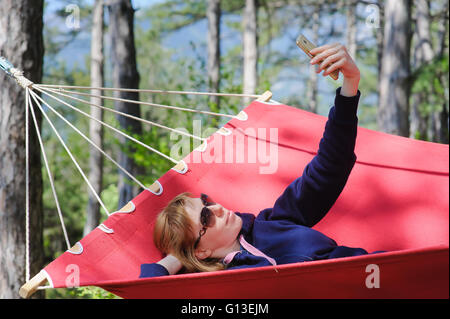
[(309, 197), (153, 270)]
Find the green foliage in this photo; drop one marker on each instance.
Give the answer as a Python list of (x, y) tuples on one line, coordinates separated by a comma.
[(430, 79), (93, 293), (89, 292)]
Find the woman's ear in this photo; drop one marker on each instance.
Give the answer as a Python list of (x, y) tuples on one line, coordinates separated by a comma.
[(202, 253)]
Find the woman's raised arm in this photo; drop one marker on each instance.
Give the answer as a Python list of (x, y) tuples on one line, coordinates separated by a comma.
[(309, 198)]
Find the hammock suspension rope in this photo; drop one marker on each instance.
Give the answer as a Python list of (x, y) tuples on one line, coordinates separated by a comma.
[(64, 91)]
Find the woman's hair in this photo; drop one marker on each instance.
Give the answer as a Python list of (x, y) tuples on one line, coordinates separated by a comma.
[(173, 233)]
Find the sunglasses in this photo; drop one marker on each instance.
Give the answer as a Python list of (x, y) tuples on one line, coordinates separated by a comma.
[(205, 216)]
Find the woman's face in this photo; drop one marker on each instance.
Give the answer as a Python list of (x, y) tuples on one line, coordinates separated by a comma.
[(220, 237)]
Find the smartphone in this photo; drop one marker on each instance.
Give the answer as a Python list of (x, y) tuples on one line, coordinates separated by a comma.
[(306, 45)]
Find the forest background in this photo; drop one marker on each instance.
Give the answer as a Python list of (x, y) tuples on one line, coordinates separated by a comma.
[(177, 50)]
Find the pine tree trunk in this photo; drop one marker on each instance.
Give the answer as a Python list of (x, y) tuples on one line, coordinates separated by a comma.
[(423, 53), (441, 117), (125, 75), (95, 128), (21, 43), (393, 111), (351, 27), (379, 36), (250, 48), (213, 17), (311, 93)]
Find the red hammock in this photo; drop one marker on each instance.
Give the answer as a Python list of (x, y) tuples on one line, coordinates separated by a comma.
[(396, 199)]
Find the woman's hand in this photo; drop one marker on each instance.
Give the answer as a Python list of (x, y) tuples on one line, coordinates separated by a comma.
[(332, 57), (335, 56)]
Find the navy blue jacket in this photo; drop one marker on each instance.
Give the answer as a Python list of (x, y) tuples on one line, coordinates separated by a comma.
[(284, 232)]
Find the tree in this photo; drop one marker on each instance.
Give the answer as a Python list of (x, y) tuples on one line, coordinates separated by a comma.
[(422, 54), (440, 118), (351, 27), (125, 75), (393, 110), (250, 48), (429, 114), (21, 21), (213, 16), (311, 93), (95, 128)]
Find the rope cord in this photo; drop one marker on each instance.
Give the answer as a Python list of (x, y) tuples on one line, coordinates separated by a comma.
[(93, 144), (109, 126), (49, 173), (33, 95), (27, 188), (125, 114), (148, 91), (147, 103)]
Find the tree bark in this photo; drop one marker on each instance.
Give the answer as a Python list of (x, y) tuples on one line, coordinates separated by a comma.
[(95, 128), (21, 43), (250, 48), (393, 111), (379, 36), (423, 53), (351, 27), (311, 93), (125, 75), (440, 131), (213, 15)]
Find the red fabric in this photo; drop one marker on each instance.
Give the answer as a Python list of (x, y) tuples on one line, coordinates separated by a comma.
[(396, 199)]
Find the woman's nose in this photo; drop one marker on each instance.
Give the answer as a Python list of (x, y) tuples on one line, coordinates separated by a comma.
[(217, 210)]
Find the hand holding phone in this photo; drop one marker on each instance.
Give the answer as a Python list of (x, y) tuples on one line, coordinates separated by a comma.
[(306, 45)]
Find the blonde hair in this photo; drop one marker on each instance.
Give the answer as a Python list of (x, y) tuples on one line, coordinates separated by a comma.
[(173, 233)]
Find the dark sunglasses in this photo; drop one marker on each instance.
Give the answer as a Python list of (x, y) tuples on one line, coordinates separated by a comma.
[(205, 216)]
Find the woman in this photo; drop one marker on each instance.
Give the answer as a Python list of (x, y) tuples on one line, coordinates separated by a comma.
[(201, 235)]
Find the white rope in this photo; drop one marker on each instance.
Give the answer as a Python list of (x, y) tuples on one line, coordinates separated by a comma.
[(146, 103), (50, 177), (92, 143), (27, 189), (112, 128), (127, 115), (44, 287), (149, 91), (70, 154), (20, 79)]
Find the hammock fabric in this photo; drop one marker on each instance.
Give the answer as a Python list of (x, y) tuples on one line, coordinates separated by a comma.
[(396, 200)]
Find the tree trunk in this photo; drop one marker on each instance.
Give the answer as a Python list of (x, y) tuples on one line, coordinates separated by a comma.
[(213, 16), (393, 111), (95, 128), (311, 94), (20, 42), (441, 117), (125, 75), (250, 48), (423, 53), (351, 27), (379, 36)]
